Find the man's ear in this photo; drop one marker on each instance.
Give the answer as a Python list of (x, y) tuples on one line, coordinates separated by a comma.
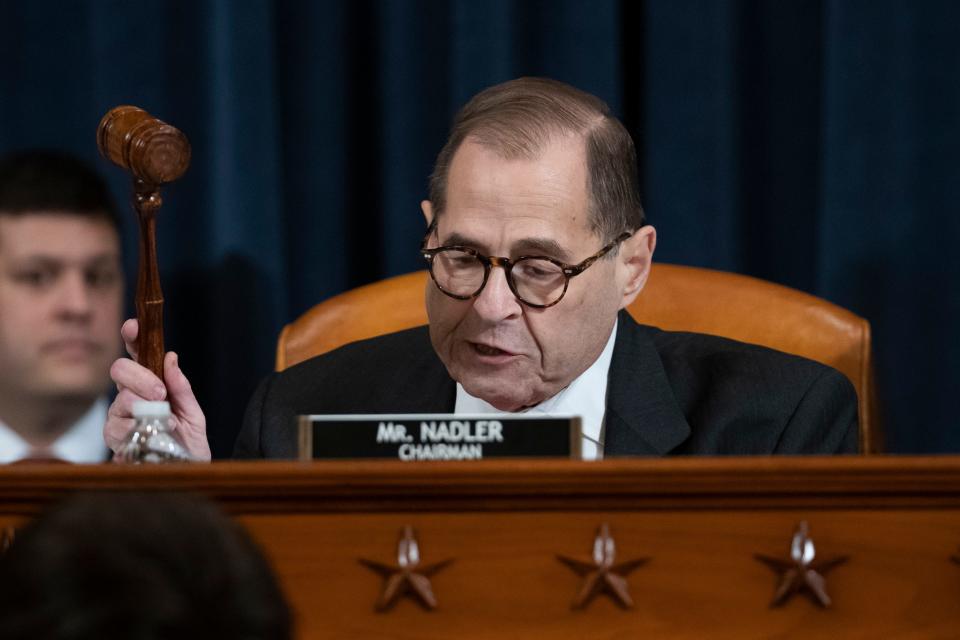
[(427, 207), (633, 262)]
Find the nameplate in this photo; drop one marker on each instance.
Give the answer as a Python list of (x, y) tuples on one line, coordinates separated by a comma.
[(412, 437)]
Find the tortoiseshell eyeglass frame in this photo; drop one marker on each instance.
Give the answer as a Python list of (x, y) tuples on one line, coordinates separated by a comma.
[(488, 262)]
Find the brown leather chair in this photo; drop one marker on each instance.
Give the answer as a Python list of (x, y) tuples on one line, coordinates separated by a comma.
[(675, 298)]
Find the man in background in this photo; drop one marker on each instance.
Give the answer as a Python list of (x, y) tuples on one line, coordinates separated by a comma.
[(61, 292)]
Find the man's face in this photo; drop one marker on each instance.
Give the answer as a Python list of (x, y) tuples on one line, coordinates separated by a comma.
[(500, 350), (60, 304)]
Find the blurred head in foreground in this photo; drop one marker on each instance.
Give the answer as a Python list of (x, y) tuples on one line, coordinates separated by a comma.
[(138, 566)]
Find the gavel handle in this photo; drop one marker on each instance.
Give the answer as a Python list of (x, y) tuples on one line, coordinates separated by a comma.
[(149, 296)]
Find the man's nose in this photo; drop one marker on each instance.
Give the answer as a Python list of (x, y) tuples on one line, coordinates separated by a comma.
[(496, 302), (73, 296)]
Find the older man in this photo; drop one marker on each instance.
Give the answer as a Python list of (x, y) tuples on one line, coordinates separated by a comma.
[(536, 242), (61, 291)]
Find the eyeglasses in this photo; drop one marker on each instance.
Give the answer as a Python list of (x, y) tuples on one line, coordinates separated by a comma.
[(537, 281)]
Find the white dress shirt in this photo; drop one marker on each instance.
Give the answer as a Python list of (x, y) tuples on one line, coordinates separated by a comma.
[(586, 397), (81, 443)]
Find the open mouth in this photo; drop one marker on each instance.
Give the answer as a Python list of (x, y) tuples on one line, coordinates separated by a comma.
[(487, 350)]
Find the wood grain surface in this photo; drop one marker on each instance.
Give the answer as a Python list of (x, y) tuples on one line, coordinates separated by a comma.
[(700, 521)]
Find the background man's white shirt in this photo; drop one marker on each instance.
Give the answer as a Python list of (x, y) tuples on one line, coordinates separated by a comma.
[(81, 443), (586, 397)]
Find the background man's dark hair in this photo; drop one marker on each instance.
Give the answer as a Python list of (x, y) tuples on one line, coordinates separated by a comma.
[(40, 181), (139, 566), (519, 118)]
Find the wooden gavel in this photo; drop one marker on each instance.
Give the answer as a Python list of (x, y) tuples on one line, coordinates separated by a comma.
[(155, 153)]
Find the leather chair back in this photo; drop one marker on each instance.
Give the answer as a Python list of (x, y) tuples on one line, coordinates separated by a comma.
[(676, 298)]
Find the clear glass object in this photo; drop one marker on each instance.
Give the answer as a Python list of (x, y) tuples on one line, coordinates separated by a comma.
[(151, 441)]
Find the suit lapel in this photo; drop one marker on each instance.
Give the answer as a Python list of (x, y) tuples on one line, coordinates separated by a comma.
[(427, 389), (642, 417)]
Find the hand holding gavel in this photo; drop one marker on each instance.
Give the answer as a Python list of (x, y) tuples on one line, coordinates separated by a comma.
[(155, 153)]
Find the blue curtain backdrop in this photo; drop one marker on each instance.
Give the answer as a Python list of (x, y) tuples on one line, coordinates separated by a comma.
[(810, 143)]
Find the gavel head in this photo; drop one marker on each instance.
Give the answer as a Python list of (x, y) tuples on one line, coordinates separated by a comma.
[(150, 149)]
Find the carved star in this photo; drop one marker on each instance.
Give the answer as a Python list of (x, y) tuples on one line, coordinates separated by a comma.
[(802, 572), (407, 576), (602, 573)]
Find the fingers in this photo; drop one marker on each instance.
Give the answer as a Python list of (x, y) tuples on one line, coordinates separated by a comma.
[(129, 332), (190, 423), (136, 382), (115, 432), (119, 419), (180, 391), (128, 375)]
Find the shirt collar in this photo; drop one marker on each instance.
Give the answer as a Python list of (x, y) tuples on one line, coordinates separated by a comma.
[(12, 446), (81, 443), (585, 396)]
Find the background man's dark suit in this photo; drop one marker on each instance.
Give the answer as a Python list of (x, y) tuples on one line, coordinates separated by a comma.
[(668, 393)]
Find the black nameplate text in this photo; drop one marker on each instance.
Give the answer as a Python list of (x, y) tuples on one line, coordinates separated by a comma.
[(413, 437)]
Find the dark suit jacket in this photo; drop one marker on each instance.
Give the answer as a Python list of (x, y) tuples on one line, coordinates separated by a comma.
[(668, 393)]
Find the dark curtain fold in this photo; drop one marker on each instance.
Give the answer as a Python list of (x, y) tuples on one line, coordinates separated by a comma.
[(813, 144)]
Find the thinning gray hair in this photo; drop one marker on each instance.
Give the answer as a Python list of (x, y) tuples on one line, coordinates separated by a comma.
[(519, 118)]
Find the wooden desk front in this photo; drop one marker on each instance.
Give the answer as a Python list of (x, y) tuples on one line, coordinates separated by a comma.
[(699, 521)]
